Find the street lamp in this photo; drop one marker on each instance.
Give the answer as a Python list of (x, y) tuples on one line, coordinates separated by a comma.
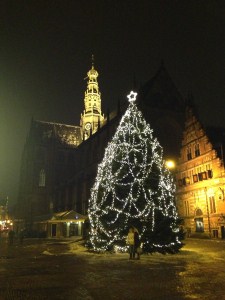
[(170, 164)]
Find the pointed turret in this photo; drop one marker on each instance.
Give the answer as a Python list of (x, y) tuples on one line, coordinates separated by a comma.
[(92, 114)]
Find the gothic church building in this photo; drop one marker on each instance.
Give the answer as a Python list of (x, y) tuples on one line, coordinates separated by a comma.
[(59, 161)]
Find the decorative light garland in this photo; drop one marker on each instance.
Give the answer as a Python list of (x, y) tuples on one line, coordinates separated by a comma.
[(132, 187)]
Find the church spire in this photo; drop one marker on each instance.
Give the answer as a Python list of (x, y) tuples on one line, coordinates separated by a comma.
[(92, 104)]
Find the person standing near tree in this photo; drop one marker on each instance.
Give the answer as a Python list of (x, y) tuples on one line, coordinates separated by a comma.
[(130, 242)]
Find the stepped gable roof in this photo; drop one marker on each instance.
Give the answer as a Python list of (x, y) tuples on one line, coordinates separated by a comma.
[(216, 136), (68, 135), (161, 92)]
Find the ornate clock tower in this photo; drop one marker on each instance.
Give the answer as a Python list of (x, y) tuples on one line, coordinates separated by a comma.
[(92, 116)]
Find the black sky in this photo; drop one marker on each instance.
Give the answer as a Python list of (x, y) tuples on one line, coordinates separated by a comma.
[(45, 53)]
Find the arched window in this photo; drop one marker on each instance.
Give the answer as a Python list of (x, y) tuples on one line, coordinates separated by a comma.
[(198, 212), (42, 178)]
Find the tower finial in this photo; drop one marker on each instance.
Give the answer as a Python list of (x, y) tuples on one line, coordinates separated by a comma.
[(92, 60)]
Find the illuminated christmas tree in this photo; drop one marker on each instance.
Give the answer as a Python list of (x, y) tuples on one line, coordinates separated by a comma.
[(133, 187)]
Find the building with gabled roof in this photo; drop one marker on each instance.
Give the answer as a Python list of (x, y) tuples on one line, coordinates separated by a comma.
[(200, 179)]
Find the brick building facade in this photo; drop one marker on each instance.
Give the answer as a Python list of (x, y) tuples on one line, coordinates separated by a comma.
[(200, 178)]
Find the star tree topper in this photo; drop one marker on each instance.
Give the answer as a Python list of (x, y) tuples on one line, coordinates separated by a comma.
[(132, 97)]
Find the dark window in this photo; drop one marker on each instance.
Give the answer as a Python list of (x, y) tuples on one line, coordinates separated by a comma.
[(189, 156), (180, 182), (200, 177), (197, 150), (210, 174)]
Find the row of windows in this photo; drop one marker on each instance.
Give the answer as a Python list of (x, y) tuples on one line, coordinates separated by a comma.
[(196, 151), (93, 90), (195, 178)]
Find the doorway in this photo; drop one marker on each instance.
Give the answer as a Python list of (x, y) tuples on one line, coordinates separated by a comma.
[(222, 232), (73, 229), (199, 225), (53, 230)]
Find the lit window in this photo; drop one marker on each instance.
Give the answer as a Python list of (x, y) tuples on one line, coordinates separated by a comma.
[(42, 178), (187, 180), (204, 175), (195, 178)]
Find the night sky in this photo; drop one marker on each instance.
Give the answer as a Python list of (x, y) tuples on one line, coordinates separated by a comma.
[(46, 48)]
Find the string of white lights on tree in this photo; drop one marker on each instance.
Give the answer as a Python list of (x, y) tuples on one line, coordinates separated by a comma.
[(133, 187)]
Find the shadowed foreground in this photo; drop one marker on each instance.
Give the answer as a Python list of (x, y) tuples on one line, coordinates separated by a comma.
[(44, 269)]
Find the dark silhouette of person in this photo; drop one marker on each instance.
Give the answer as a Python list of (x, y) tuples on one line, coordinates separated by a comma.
[(137, 244), (11, 235)]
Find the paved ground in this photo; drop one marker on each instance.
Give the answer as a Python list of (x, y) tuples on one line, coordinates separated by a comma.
[(43, 269)]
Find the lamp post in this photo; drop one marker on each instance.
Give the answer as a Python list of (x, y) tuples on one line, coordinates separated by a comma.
[(207, 208)]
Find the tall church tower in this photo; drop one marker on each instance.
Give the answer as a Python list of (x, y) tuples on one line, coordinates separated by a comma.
[(92, 117)]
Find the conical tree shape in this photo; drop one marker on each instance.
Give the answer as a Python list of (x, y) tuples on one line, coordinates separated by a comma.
[(133, 188)]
